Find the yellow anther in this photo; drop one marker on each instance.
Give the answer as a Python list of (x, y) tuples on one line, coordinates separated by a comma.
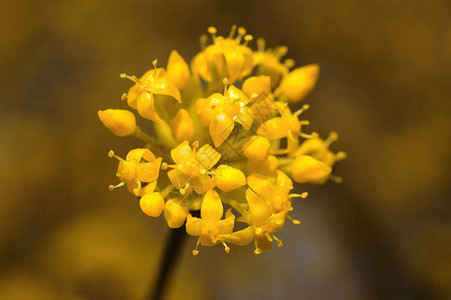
[(195, 252), (241, 31), (226, 248), (203, 41), (295, 222), (304, 195), (196, 144), (261, 44), (124, 96), (212, 30), (112, 187), (258, 230), (164, 166), (247, 39), (110, 153)]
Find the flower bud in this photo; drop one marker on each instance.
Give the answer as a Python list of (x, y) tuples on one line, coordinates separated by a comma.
[(174, 213), (119, 121), (228, 178), (182, 126), (298, 83), (308, 169), (256, 148), (178, 70), (260, 85), (152, 204)]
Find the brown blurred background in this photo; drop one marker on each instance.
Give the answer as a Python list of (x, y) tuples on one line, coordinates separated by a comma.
[(384, 87)]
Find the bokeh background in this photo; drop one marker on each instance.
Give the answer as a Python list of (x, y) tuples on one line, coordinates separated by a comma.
[(385, 232)]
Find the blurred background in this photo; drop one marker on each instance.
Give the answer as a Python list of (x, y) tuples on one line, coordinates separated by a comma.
[(385, 232)]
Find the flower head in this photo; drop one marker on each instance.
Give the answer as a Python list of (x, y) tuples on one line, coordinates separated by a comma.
[(210, 225), (140, 166), (226, 57)]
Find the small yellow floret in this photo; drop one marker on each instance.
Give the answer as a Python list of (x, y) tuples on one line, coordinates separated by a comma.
[(119, 121), (174, 213), (182, 126), (308, 169), (256, 148), (152, 204), (298, 83), (228, 178)]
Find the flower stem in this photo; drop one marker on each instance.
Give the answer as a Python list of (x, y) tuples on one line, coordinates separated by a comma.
[(171, 256)]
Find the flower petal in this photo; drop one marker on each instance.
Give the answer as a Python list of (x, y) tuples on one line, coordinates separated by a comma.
[(181, 153), (211, 209), (207, 156), (220, 128)]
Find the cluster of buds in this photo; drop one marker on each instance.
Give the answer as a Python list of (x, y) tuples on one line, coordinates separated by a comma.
[(223, 134)]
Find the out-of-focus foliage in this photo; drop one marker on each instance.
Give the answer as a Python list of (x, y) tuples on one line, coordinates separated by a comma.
[(385, 231)]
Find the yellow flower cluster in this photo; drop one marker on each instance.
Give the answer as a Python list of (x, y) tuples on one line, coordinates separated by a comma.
[(223, 134)]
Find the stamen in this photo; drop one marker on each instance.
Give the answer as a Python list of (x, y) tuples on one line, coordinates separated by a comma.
[(257, 250), (287, 208), (195, 251), (295, 222), (164, 165), (111, 155), (289, 63), (247, 39), (279, 52), (132, 78), (279, 241), (212, 30), (261, 44), (195, 146), (112, 187), (258, 230), (340, 156), (301, 110), (226, 248), (333, 136), (303, 195), (203, 41), (124, 96), (232, 31), (241, 33), (183, 189), (268, 236), (154, 63), (336, 179)]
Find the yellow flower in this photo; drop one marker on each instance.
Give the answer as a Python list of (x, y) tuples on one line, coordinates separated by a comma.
[(175, 213), (263, 225), (182, 126), (287, 125), (227, 178), (260, 85), (119, 121), (256, 148), (152, 204), (192, 167), (269, 63), (210, 225), (178, 70), (226, 57), (141, 95), (319, 149), (140, 165), (221, 112), (308, 169), (298, 83)]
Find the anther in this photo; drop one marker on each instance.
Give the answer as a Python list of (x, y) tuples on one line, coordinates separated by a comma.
[(295, 222), (336, 179), (258, 230), (333, 136), (110, 153), (225, 81), (247, 39), (112, 187), (124, 96), (154, 63), (289, 63), (301, 110), (303, 195), (164, 165), (281, 51), (241, 33), (226, 248), (340, 156), (212, 30), (196, 144), (195, 251)]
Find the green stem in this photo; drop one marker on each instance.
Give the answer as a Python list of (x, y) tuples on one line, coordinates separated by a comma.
[(139, 134)]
